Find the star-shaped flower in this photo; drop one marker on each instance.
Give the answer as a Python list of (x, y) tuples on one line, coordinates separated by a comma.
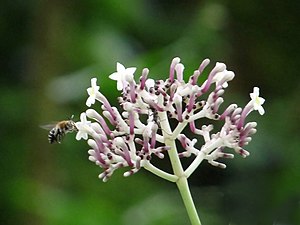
[(257, 101), (122, 76), (92, 92), (83, 127)]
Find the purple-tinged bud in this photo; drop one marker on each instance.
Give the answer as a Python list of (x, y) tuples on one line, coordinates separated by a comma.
[(161, 91), (172, 91), (109, 117), (175, 61), (218, 68), (106, 104), (242, 152), (91, 113), (248, 108), (193, 126), (183, 140), (249, 129), (92, 144), (179, 71), (100, 144), (227, 156), (244, 141), (236, 114), (194, 78), (123, 150), (228, 111), (95, 154), (202, 66), (154, 105), (131, 123), (217, 104), (191, 103), (130, 172), (132, 92), (143, 78), (153, 135), (178, 104), (97, 128)]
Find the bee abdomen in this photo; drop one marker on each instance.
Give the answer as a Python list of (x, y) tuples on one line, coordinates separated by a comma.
[(55, 135), (52, 136)]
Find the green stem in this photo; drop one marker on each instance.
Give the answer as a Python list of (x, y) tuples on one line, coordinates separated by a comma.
[(182, 182), (184, 190)]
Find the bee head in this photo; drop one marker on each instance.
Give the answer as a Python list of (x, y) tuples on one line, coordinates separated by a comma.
[(70, 125)]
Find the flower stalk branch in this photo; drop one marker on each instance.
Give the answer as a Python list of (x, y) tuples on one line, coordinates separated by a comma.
[(158, 172)]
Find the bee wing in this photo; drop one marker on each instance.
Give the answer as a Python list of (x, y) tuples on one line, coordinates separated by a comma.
[(49, 126)]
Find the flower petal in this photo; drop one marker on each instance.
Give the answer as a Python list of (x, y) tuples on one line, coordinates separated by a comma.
[(114, 76), (120, 85), (131, 70), (261, 110), (120, 67)]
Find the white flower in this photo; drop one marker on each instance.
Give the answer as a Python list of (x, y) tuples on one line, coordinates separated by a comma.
[(223, 76), (83, 127), (122, 76), (92, 92), (257, 101)]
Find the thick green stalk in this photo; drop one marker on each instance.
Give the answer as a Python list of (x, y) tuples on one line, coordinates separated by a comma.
[(184, 190), (182, 182)]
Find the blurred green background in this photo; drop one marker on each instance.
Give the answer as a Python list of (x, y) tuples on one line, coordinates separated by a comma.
[(51, 49)]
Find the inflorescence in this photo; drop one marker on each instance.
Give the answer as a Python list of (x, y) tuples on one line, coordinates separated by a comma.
[(142, 129)]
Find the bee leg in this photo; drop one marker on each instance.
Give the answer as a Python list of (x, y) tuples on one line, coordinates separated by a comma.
[(59, 136)]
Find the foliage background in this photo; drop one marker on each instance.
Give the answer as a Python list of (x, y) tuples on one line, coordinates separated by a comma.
[(51, 49)]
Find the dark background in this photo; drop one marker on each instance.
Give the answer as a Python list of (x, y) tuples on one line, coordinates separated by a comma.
[(51, 49)]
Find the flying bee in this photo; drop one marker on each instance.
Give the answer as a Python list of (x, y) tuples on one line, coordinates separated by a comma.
[(58, 130)]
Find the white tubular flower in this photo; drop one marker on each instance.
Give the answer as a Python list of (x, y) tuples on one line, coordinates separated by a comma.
[(222, 77), (92, 92), (179, 71), (122, 76), (83, 127), (257, 101)]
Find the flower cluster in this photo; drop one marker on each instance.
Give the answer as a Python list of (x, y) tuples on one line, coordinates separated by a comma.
[(142, 129)]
